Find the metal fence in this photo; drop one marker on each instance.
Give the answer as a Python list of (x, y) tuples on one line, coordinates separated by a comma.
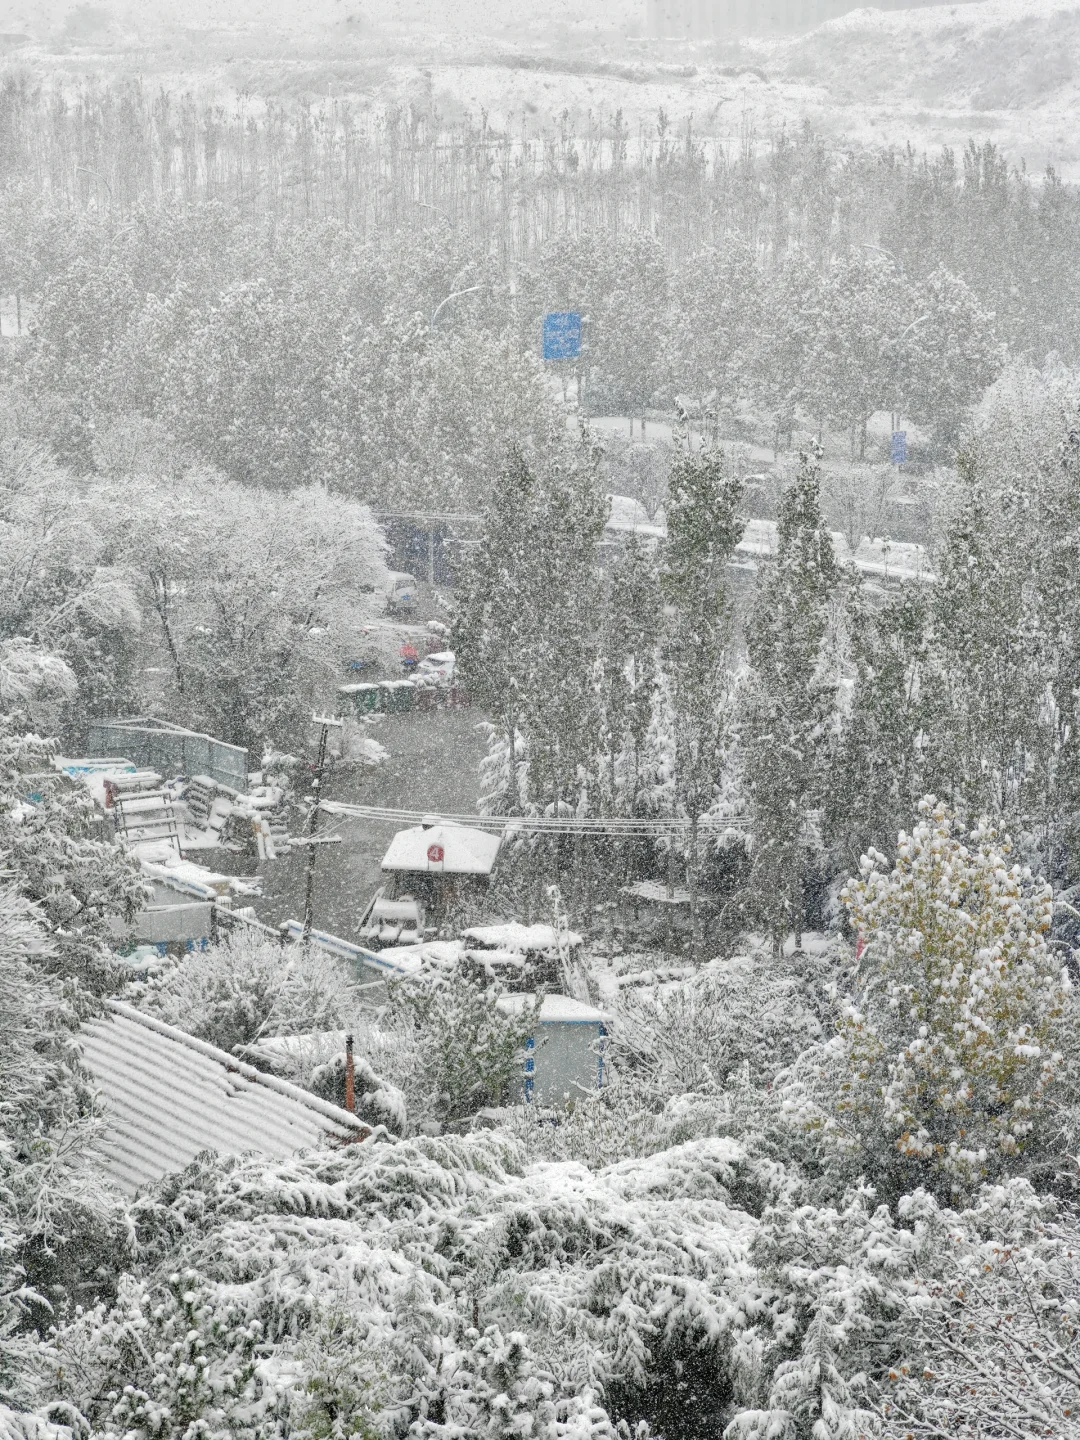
[(158, 745)]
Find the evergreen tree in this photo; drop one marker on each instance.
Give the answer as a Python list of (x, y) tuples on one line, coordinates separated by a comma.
[(629, 671), (881, 764), (948, 1052), (528, 618), (703, 530), (992, 658), (788, 701)]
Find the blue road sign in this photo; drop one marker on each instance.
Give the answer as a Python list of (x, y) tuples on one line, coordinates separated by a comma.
[(899, 447), (562, 336)]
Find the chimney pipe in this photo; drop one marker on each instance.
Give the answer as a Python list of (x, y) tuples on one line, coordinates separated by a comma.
[(350, 1077)]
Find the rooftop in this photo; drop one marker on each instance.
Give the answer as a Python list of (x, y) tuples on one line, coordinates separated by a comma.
[(442, 848), (169, 1097)]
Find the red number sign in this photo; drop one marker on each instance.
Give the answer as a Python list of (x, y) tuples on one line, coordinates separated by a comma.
[(435, 854)]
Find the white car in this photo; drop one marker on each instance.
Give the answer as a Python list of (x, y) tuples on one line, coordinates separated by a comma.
[(437, 669), (401, 593)]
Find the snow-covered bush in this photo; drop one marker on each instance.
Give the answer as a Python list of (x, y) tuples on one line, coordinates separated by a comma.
[(467, 1052), (691, 1036), (947, 1054), (246, 986), (991, 1342), (485, 1293), (57, 1216)]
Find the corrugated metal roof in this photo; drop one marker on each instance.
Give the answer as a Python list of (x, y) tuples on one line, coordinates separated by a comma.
[(554, 1009), (169, 1097)]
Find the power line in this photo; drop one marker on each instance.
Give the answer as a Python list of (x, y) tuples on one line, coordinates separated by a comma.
[(600, 825)]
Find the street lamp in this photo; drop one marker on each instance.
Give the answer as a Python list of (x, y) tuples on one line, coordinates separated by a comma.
[(455, 296)]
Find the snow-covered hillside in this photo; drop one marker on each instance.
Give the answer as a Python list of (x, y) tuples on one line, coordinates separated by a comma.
[(1003, 70), (996, 55)]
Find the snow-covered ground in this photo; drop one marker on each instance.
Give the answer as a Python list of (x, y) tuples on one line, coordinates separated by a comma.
[(1004, 70)]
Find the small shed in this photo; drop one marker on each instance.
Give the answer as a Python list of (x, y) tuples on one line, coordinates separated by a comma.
[(168, 1097), (438, 863), (532, 950), (436, 847), (565, 1059)]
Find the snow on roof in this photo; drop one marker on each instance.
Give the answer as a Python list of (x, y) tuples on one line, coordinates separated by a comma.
[(555, 1009), (188, 877), (891, 559), (435, 956), (658, 892), (463, 851), (521, 939), (297, 1047), (169, 1096)]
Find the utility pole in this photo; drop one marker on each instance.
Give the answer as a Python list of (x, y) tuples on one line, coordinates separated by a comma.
[(326, 723)]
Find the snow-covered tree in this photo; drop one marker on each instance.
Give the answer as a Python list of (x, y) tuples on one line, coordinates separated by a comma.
[(255, 610), (467, 1052), (48, 837), (881, 767), (716, 318), (246, 986), (947, 1053), (527, 620), (60, 587), (788, 701), (703, 529), (629, 664)]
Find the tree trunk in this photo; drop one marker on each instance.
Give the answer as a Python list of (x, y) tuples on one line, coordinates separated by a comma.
[(797, 907), (161, 605), (696, 937)]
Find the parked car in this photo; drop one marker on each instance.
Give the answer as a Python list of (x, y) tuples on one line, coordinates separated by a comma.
[(401, 593), (436, 669)]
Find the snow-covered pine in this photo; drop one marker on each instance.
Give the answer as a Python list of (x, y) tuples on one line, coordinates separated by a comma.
[(788, 701)]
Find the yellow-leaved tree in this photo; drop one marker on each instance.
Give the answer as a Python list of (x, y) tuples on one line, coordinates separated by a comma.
[(949, 1050)]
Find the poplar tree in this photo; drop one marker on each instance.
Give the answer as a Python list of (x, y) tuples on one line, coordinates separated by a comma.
[(494, 627), (703, 529), (884, 757), (629, 675), (528, 620), (788, 701)]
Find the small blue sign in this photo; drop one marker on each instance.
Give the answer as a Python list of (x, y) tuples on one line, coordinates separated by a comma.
[(899, 447), (562, 336)]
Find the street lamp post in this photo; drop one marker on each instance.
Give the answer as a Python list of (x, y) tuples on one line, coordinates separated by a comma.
[(455, 296)]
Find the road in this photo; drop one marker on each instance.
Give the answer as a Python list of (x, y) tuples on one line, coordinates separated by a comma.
[(432, 767)]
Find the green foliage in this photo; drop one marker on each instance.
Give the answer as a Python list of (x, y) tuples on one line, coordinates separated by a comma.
[(469, 1053), (528, 616), (788, 701), (628, 676), (881, 766), (949, 1050), (346, 1385)]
